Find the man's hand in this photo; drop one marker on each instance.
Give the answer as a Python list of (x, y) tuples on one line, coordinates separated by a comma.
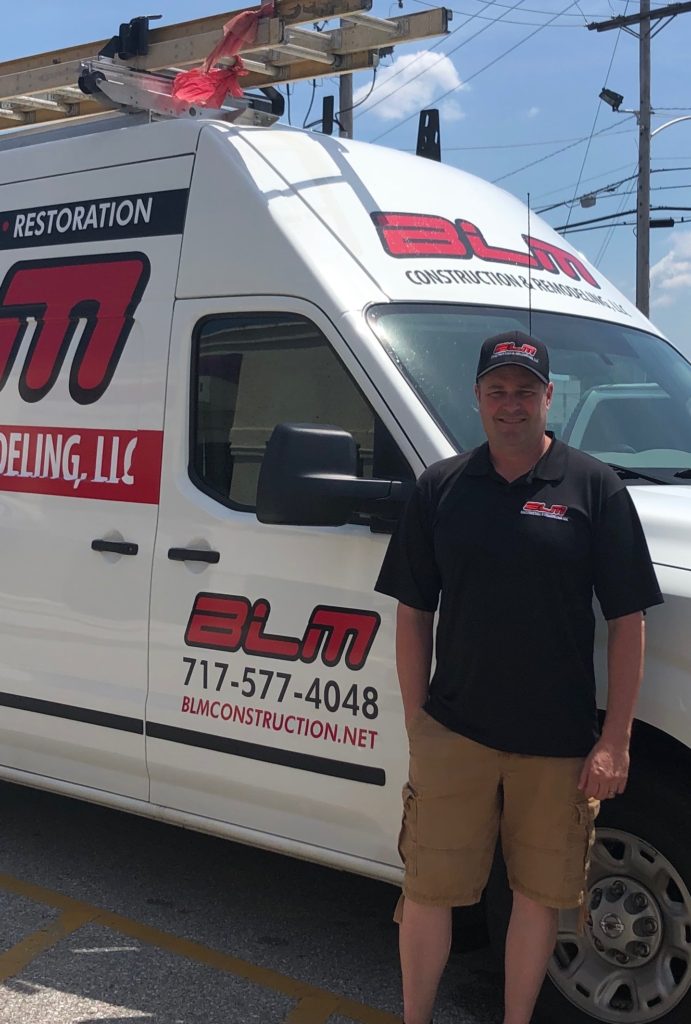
[(414, 642), (606, 770)]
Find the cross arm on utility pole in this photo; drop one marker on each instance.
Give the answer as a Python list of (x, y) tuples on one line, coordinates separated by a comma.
[(623, 20)]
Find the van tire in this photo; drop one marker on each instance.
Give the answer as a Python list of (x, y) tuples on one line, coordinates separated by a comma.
[(644, 839)]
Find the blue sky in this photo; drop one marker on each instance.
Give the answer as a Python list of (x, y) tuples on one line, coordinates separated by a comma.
[(520, 82)]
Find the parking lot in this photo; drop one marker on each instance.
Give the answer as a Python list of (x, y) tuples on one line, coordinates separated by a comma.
[(107, 917)]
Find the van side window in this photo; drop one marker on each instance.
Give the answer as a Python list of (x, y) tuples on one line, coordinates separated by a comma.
[(251, 371)]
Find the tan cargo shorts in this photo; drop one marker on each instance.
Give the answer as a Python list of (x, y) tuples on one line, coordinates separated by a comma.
[(461, 795)]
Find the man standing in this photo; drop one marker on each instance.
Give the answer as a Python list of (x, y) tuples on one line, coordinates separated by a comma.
[(510, 540)]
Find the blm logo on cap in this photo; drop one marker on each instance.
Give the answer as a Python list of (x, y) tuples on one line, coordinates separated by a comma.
[(514, 349)]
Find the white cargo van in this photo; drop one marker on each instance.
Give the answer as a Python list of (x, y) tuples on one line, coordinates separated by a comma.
[(171, 292)]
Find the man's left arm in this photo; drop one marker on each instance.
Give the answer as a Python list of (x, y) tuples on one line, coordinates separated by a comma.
[(606, 768)]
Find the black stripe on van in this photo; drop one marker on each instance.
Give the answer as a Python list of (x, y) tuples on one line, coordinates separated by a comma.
[(107, 218), (205, 741), (72, 713), (271, 755)]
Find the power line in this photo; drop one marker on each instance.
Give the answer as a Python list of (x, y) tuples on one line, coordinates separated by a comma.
[(620, 224), (532, 10), (609, 216), (556, 152), (610, 234), (599, 227), (475, 74), (593, 192), (610, 170), (613, 170), (523, 145), (662, 188), (504, 21), (612, 186), (580, 11), (309, 109), (597, 114), (364, 98)]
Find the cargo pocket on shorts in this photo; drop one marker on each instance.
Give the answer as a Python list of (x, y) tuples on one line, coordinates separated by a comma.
[(407, 839), (580, 842)]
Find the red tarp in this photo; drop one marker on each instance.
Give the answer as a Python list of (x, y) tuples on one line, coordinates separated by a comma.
[(208, 86)]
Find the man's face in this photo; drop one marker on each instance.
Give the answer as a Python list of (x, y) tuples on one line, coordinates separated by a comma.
[(513, 406)]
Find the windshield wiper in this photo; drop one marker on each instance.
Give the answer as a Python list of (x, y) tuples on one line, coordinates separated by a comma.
[(685, 474), (629, 473)]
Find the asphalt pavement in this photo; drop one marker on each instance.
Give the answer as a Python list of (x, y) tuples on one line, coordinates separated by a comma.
[(108, 917)]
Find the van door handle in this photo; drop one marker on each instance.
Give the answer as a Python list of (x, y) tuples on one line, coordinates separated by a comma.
[(193, 555), (118, 547)]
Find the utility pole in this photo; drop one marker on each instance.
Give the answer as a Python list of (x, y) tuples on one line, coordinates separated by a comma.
[(345, 106), (643, 193), (662, 15), (345, 103)]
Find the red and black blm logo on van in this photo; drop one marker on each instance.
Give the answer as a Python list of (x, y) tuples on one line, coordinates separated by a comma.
[(103, 292), (100, 292), (412, 235), (231, 622)]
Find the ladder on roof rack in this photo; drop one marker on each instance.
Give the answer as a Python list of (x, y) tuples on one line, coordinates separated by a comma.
[(46, 87)]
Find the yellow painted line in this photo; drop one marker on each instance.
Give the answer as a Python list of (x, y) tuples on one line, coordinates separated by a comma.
[(314, 1010), (314, 1005), (14, 960)]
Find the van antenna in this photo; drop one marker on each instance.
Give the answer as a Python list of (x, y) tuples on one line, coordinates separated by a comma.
[(530, 286)]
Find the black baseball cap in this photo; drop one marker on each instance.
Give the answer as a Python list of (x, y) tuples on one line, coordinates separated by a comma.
[(514, 348)]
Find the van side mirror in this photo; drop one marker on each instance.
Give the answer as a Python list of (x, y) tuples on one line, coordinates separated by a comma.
[(309, 477)]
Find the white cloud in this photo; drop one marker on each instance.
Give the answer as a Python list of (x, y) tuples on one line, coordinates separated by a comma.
[(533, 112), (449, 110), (410, 84), (670, 277)]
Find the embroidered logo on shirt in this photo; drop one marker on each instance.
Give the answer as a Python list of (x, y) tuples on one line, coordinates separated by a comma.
[(538, 508)]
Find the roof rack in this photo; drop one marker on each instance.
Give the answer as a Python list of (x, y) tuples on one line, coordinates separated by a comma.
[(141, 64)]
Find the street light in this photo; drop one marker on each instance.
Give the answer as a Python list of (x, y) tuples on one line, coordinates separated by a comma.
[(667, 124), (613, 99), (643, 224)]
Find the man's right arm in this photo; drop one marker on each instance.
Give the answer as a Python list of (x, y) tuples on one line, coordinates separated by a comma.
[(414, 643)]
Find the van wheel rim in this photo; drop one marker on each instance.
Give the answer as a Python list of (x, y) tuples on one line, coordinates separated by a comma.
[(632, 962)]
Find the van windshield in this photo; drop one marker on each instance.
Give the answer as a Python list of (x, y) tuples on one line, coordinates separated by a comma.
[(620, 394)]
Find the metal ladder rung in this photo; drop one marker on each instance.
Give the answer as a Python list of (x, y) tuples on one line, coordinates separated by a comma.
[(260, 68), (296, 52), (376, 24), (8, 114), (38, 103), (319, 41), (68, 94)]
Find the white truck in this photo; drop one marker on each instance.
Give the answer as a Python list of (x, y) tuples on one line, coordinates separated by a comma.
[(171, 292)]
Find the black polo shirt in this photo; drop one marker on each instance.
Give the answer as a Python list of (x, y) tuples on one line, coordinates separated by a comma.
[(516, 565)]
